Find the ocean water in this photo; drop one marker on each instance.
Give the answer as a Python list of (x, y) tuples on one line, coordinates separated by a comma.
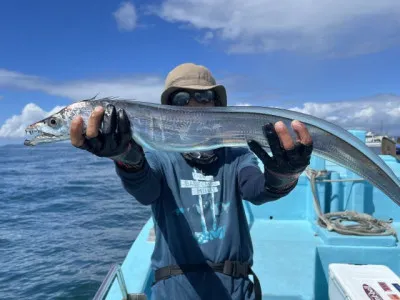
[(64, 220)]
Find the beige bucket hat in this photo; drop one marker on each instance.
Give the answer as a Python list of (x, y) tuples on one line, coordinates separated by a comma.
[(192, 77)]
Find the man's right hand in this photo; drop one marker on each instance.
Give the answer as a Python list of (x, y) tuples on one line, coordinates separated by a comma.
[(108, 134)]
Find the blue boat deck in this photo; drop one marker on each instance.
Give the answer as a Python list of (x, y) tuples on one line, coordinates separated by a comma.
[(292, 252), (285, 258), (292, 259)]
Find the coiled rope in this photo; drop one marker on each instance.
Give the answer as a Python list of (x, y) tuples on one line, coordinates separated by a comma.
[(366, 224)]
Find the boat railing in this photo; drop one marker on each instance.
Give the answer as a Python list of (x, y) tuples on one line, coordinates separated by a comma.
[(116, 272)]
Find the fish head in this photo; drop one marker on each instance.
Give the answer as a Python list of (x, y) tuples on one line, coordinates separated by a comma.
[(56, 127)]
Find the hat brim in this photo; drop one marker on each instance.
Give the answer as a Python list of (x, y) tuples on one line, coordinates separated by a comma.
[(219, 89)]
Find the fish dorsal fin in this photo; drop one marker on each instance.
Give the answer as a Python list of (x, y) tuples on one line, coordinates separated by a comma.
[(100, 99), (90, 99)]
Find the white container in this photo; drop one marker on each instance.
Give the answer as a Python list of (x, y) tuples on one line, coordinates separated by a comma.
[(363, 282)]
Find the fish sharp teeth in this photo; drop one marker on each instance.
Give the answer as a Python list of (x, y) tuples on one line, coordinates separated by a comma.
[(31, 131)]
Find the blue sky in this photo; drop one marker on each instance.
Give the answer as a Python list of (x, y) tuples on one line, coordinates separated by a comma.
[(338, 60)]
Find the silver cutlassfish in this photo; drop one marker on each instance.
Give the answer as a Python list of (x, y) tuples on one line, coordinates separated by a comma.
[(187, 129)]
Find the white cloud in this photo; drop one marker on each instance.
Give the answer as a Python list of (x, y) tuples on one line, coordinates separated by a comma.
[(15, 126), (374, 113), (367, 112), (145, 88), (242, 104), (126, 16), (395, 112), (206, 38), (330, 27)]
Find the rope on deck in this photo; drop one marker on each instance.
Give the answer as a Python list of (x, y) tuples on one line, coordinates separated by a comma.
[(367, 225)]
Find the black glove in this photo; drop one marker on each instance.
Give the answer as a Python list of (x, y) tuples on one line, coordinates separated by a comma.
[(115, 139), (284, 168)]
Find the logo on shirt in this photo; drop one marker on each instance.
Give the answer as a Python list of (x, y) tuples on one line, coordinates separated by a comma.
[(205, 187)]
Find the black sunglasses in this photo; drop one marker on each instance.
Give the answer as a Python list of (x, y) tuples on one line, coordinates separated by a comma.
[(182, 97)]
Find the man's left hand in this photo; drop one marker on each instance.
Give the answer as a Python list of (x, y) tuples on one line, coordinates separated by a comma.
[(289, 159)]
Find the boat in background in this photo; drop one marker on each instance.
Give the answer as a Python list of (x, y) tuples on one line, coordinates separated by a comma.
[(383, 144), (293, 252)]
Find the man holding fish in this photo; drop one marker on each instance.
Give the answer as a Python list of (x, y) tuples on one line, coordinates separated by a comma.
[(203, 246)]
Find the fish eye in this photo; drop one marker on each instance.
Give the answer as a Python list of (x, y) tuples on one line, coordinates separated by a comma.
[(52, 122)]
